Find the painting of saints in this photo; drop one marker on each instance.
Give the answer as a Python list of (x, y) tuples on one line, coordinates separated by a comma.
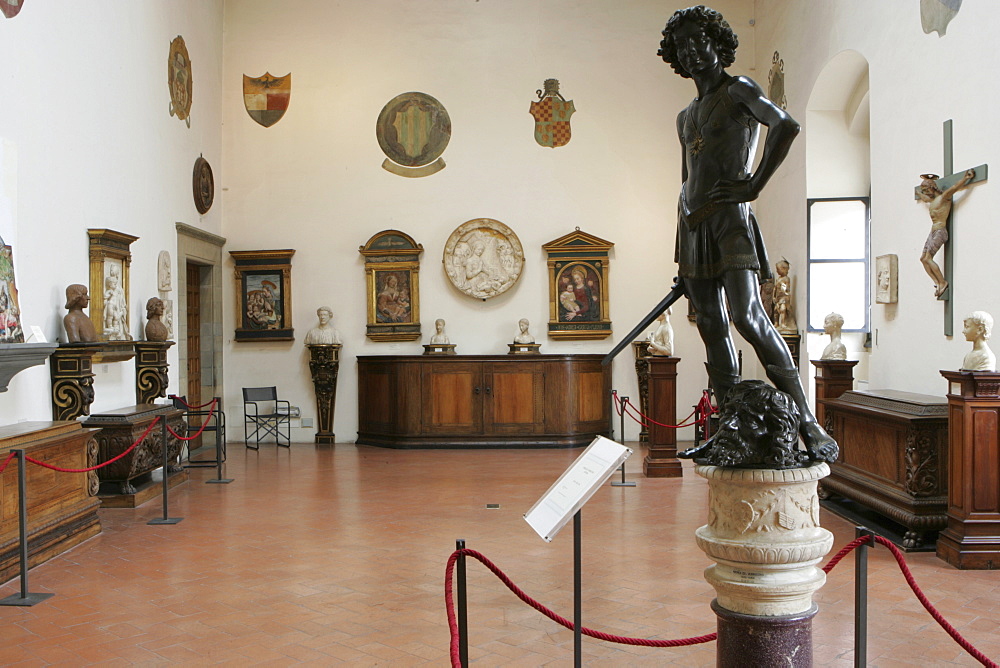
[(579, 295), (392, 303)]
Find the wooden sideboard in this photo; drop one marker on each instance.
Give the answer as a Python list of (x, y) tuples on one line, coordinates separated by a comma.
[(473, 401), (62, 507), (893, 458)]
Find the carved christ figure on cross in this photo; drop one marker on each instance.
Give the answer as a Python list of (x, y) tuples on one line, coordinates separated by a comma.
[(939, 206)]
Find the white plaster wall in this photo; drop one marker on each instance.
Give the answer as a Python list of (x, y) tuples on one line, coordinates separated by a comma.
[(314, 182), (917, 82), (88, 143)]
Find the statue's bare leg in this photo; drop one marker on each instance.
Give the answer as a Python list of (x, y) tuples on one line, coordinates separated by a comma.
[(713, 325), (934, 271), (753, 325)]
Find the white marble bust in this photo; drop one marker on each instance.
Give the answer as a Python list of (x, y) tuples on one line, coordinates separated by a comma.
[(835, 350), (524, 336), (439, 336), (978, 329), (661, 340), (324, 332)]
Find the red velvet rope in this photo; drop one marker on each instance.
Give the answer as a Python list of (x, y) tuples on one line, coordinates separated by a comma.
[(704, 405), (644, 642), (10, 456), (203, 424), (189, 406), (94, 468)]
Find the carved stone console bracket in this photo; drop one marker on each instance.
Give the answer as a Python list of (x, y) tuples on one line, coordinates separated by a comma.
[(16, 357), (151, 367)]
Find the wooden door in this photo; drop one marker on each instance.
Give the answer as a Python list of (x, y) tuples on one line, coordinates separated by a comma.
[(452, 397), (514, 398), (193, 323)]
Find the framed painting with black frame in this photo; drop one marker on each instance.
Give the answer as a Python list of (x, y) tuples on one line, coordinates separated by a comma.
[(264, 295)]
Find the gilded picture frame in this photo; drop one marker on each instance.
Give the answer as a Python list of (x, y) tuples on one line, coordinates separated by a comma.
[(110, 296), (392, 280), (264, 295), (579, 272)]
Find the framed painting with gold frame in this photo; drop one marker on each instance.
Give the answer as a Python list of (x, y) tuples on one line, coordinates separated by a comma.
[(264, 295), (578, 286), (392, 273)]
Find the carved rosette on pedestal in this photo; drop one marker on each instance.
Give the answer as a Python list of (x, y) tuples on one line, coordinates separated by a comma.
[(151, 366), (324, 363), (71, 370), (763, 533)]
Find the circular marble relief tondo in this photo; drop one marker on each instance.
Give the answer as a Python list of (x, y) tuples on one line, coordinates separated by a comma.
[(483, 258)]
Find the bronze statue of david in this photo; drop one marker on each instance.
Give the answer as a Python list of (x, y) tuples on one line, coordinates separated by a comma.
[(719, 252)]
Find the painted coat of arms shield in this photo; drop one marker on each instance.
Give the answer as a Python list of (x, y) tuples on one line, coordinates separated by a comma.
[(266, 97), (552, 113), (413, 130), (179, 80)]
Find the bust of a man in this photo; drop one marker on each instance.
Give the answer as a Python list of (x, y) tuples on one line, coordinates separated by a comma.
[(324, 332), (835, 350), (79, 328), (524, 336), (661, 340), (155, 329), (978, 329)]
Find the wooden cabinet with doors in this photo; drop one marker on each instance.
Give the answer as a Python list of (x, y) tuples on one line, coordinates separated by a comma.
[(415, 401)]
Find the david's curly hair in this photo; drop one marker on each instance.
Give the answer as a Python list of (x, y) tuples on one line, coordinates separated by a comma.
[(714, 26)]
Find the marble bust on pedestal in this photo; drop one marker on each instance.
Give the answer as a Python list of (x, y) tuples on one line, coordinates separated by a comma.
[(978, 329), (324, 333), (439, 336), (524, 336), (835, 350)]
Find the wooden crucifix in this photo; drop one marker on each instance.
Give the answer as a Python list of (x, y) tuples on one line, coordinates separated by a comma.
[(937, 192)]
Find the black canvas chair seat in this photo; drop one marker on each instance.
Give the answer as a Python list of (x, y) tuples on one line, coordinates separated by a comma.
[(266, 415)]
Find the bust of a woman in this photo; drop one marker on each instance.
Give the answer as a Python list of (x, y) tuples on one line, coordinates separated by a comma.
[(439, 336), (524, 336)]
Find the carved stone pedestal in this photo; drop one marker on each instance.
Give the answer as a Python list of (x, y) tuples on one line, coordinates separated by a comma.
[(763, 533), (640, 350), (972, 537), (151, 366), (324, 363), (71, 368), (524, 348), (439, 349), (662, 462), (833, 378)]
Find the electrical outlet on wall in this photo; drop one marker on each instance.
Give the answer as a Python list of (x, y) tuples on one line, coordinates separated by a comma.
[(307, 422)]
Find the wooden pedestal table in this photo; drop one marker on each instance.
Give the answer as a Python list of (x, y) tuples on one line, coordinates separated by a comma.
[(661, 460), (128, 483), (151, 379), (324, 363), (972, 537), (62, 507), (833, 378)]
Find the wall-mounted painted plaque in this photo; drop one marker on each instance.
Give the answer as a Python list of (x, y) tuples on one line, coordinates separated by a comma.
[(392, 271), (203, 184), (776, 81), (578, 286), (10, 8), (264, 295), (179, 80), (266, 97), (483, 258), (413, 130), (551, 113)]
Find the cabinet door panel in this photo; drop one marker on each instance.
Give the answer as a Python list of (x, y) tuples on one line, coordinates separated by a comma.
[(514, 398), (452, 398)]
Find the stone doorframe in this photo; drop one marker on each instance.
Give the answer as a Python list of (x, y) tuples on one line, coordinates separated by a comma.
[(203, 248)]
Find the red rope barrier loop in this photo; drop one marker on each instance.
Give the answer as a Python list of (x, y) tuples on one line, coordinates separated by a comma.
[(98, 466), (682, 642), (10, 456), (204, 424)]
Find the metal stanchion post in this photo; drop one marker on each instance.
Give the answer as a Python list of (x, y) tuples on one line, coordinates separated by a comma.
[(577, 592), (166, 475), (24, 599), (621, 410), (219, 480), (463, 608), (861, 597)]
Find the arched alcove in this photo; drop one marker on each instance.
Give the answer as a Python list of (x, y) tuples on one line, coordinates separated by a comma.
[(838, 166)]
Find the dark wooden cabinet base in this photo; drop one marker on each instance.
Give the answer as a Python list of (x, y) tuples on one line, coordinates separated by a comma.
[(478, 401)]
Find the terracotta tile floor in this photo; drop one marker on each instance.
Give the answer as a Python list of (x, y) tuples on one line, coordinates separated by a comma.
[(337, 556)]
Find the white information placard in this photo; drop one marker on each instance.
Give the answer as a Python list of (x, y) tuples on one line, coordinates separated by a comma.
[(575, 486)]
